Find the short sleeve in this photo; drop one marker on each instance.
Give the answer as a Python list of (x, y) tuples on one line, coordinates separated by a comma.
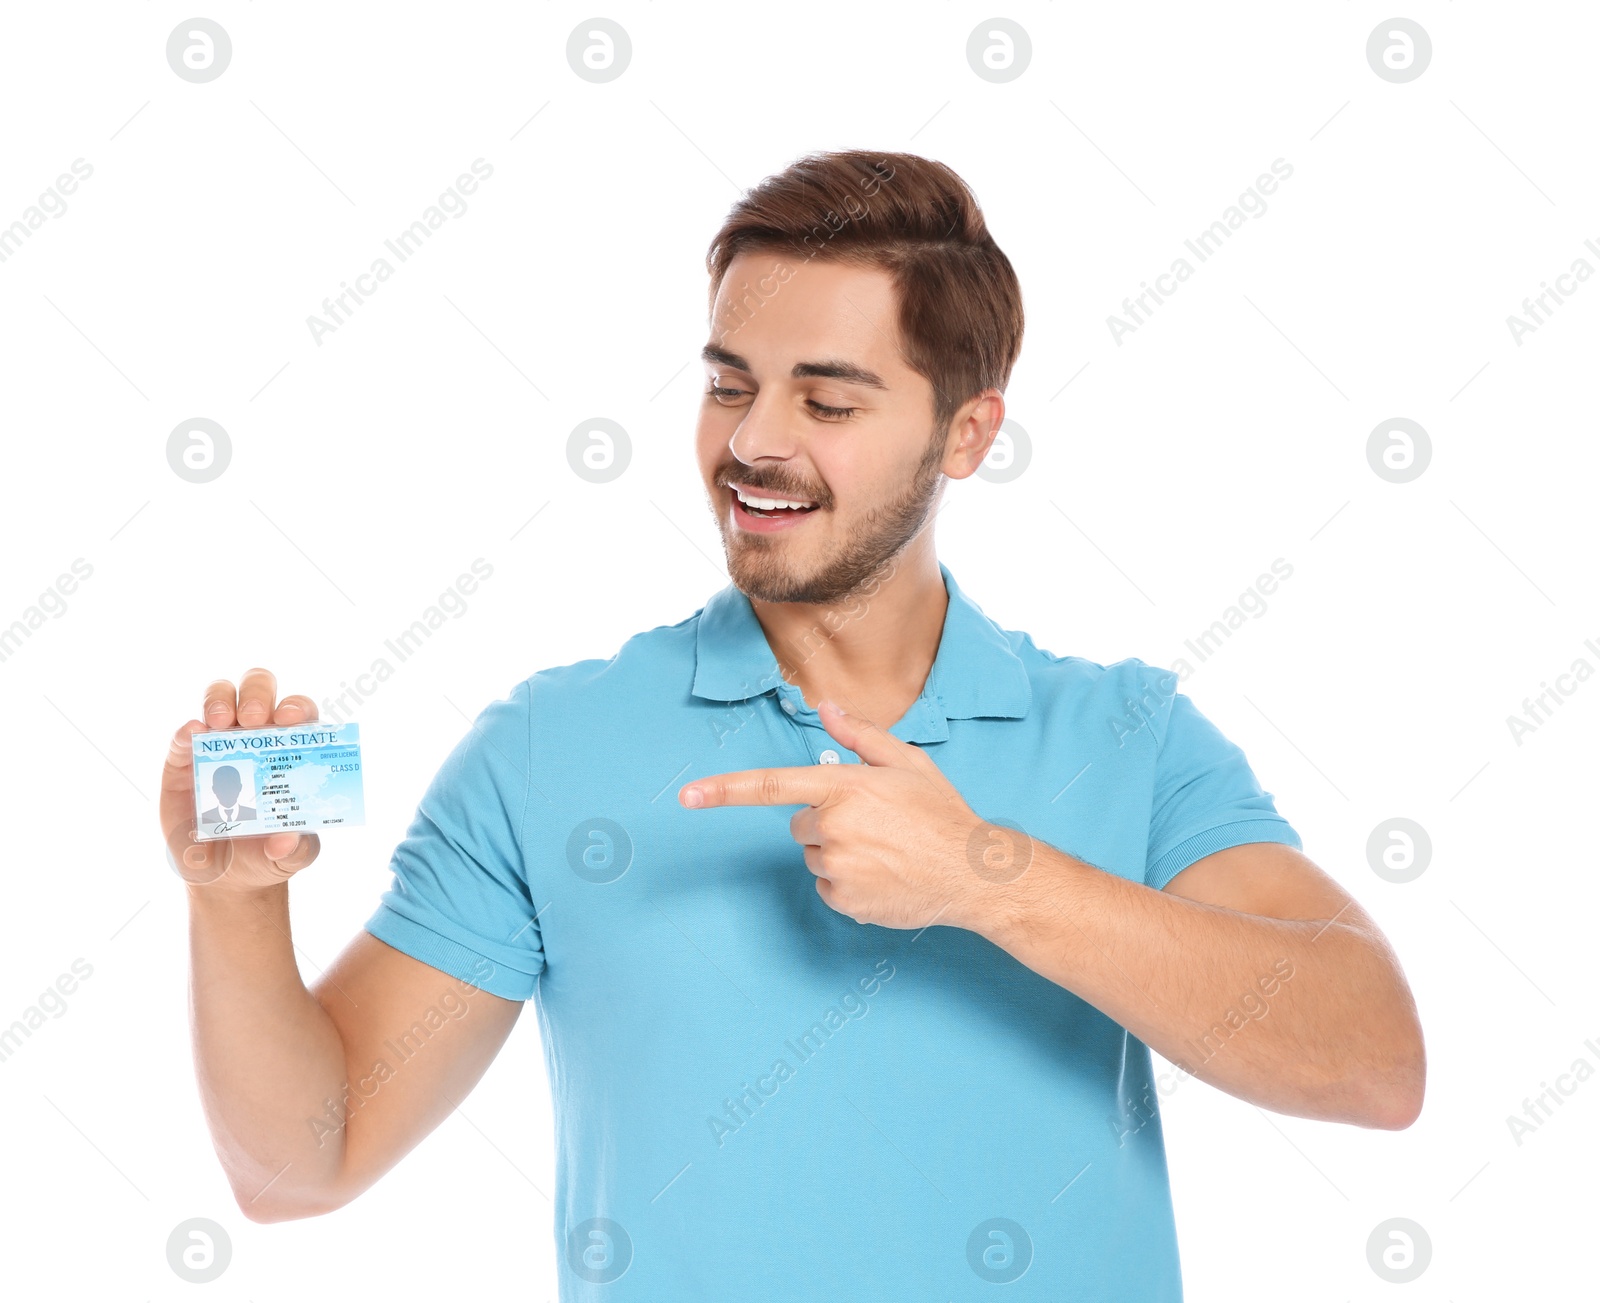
[(460, 900), (1206, 797)]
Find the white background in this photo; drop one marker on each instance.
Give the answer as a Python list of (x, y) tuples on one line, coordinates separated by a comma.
[(367, 472)]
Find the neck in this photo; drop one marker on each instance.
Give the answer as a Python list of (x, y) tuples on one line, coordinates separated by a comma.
[(872, 652)]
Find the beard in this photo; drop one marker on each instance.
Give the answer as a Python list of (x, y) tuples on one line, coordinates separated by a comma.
[(761, 565)]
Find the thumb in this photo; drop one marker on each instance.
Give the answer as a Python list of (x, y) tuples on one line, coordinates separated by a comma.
[(875, 746)]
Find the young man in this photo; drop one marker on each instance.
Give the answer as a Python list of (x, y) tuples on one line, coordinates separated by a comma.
[(835, 1003)]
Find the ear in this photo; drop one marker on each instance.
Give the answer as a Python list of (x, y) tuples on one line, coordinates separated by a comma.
[(977, 423)]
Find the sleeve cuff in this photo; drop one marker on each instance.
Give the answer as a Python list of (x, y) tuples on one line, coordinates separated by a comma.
[(1171, 863), (449, 956)]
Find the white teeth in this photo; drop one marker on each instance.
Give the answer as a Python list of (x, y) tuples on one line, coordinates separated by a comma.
[(769, 504)]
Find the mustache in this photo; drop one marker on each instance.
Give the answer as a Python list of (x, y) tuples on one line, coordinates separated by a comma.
[(763, 484)]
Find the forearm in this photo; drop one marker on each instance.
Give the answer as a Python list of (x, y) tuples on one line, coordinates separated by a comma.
[(268, 1057), (1306, 1017)]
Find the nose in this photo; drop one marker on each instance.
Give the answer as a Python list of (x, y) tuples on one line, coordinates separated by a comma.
[(764, 434)]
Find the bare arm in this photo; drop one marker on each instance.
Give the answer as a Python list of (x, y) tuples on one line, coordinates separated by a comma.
[(307, 1102), (1253, 970)]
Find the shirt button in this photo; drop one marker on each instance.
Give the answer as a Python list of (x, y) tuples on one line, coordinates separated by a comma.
[(788, 705), (828, 757)]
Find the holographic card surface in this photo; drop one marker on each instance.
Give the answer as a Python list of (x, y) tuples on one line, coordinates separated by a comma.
[(254, 781)]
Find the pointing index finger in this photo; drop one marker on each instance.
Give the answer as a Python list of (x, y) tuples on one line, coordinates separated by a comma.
[(797, 785)]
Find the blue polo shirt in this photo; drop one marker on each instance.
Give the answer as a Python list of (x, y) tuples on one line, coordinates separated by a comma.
[(756, 1097)]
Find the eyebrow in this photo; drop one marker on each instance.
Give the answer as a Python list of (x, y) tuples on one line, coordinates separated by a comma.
[(831, 369)]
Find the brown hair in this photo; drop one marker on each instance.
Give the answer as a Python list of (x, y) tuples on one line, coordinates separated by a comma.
[(960, 302)]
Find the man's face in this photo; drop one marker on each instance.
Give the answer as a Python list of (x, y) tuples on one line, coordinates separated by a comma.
[(227, 786), (859, 442)]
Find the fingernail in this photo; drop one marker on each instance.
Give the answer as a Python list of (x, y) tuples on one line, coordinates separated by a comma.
[(692, 796)]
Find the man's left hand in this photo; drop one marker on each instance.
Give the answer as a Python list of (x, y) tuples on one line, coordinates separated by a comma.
[(890, 840)]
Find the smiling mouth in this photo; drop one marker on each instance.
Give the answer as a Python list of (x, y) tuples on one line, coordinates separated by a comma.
[(762, 505)]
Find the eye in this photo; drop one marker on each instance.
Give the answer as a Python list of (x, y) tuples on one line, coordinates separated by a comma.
[(728, 395)]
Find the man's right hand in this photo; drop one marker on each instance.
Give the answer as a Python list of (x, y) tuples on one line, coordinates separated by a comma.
[(270, 1052), (231, 863)]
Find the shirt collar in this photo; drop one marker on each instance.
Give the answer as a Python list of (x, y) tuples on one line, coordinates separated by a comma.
[(975, 672)]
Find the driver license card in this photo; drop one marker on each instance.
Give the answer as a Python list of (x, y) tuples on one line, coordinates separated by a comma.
[(255, 781)]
